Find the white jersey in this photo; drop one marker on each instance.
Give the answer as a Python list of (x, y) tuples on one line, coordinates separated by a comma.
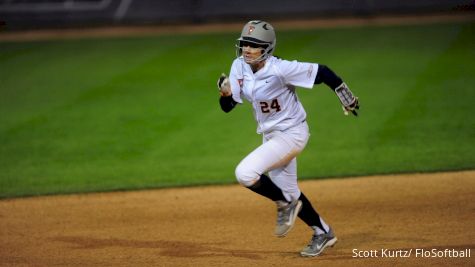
[(271, 91)]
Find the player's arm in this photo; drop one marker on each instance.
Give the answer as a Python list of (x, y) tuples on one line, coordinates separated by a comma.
[(227, 103), (226, 100), (348, 100)]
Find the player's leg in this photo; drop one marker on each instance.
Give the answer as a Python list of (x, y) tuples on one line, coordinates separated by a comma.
[(286, 178), (311, 217), (284, 173), (250, 173), (278, 149), (322, 236), (251, 170)]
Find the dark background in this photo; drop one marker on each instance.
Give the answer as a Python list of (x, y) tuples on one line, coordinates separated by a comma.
[(38, 14)]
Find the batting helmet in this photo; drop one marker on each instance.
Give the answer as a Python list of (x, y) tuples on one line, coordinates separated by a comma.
[(259, 33)]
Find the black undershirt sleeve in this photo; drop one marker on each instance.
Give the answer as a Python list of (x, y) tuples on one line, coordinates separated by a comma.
[(227, 103), (328, 77)]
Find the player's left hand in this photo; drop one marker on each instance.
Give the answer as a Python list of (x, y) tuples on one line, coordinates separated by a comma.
[(352, 107), (349, 102)]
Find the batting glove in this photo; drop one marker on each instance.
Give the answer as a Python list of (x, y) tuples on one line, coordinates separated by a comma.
[(352, 108), (223, 85), (349, 102)]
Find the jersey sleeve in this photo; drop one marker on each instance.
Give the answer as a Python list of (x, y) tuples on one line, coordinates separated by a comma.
[(235, 80), (301, 74)]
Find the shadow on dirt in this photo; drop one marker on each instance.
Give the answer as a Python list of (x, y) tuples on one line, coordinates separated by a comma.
[(180, 249)]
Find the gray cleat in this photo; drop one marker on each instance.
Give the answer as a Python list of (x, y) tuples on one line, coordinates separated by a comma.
[(286, 215), (319, 243)]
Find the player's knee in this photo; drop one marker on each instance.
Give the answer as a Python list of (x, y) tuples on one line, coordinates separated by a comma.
[(246, 176)]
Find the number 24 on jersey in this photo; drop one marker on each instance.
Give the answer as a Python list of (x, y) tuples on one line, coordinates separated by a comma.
[(266, 107)]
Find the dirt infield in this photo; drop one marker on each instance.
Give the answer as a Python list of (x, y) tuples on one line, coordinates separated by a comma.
[(432, 214)]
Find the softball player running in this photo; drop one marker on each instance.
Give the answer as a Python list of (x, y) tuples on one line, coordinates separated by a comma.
[(269, 84)]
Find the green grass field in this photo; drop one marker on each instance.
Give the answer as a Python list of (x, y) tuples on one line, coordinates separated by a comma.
[(133, 113)]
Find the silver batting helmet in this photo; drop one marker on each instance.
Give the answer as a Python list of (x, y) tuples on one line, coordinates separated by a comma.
[(259, 33)]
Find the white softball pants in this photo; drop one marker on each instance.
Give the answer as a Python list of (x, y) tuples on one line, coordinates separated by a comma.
[(277, 156)]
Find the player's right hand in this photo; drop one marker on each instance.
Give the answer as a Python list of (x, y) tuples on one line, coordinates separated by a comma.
[(223, 85)]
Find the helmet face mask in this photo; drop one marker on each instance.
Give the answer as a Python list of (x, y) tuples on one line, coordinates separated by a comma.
[(257, 34)]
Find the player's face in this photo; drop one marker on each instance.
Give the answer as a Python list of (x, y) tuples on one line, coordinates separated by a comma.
[(251, 52)]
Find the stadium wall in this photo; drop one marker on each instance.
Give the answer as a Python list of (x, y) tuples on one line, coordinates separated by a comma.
[(37, 14)]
